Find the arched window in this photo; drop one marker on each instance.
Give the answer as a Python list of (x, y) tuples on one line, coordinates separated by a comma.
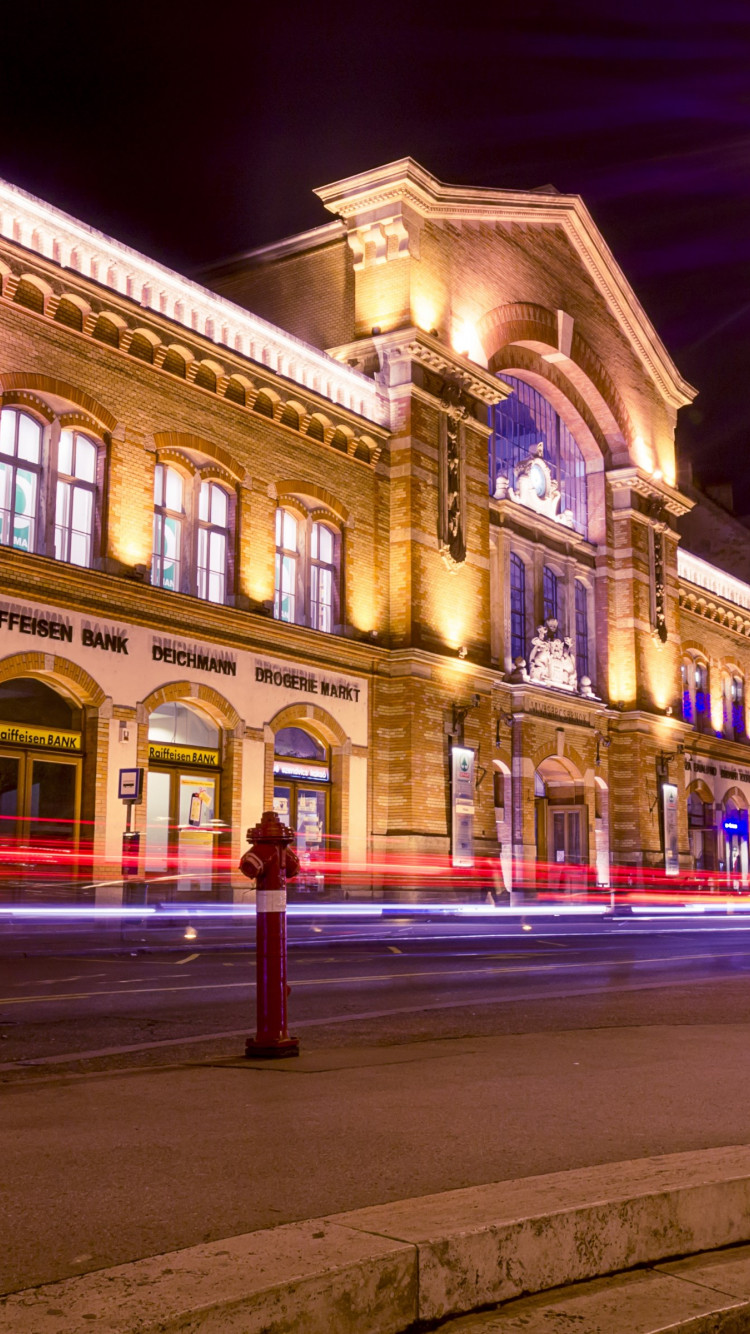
[(733, 699), (169, 517), (20, 479), (550, 594), (517, 607), (520, 423), (582, 629), (306, 590), (322, 577), (696, 699), (75, 499), (213, 542), (179, 725), (287, 556)]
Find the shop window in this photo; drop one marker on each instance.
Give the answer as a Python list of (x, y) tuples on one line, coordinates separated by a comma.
[(517, 607), (550, 594), (23, 699), (75, 498), (193, 526), (179, 725), (582, 629), (294, 743), (306, 588)]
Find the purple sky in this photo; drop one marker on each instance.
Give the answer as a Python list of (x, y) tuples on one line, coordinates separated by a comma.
[(194, 134)]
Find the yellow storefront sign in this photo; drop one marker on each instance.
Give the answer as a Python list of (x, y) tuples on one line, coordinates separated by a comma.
[(49, 738), (161, 753)]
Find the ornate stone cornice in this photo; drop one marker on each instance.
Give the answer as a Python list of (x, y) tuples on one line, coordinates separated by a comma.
[(404, 190), (657, 490)]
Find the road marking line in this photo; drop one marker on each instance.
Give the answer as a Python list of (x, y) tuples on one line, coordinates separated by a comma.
[(188, 959), (374, 977), (395, 950)]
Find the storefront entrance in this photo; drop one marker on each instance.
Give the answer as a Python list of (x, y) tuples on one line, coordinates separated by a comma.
[(301, 787), (184, 773), (40, 774), (561, 824)]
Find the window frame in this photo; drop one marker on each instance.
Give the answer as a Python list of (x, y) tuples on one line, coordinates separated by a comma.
[(519, 614), (190, 570), (50, 479), (308, 568)]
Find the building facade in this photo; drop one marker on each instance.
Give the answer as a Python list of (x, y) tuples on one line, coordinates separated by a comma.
[(381, 527)]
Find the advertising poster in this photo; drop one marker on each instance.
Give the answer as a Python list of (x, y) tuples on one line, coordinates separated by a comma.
[(462, 800), (669, 800)]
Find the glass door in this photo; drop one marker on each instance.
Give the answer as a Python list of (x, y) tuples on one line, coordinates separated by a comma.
[(52, 804), (10, 789), (181, 826)]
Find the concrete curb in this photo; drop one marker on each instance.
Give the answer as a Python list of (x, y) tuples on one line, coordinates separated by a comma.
[(382, 1269)]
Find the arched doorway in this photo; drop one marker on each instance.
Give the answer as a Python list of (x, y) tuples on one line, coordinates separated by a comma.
[(702, 832), (735, 828), (41, 749), (561, 817), (302, 785), (182, 796)]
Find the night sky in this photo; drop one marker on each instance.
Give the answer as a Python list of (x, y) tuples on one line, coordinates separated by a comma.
[(193, 134)]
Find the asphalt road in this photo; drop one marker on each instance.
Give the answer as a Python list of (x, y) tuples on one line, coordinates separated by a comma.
[(431, 1059)]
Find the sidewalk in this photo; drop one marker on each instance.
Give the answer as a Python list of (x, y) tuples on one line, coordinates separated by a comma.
[(387, 1269), (101, 1169)]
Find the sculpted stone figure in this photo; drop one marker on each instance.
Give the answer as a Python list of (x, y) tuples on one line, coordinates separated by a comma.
[(552, 658)]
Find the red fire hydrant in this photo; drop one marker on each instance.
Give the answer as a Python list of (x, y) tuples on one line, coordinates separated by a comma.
[(270, 861)]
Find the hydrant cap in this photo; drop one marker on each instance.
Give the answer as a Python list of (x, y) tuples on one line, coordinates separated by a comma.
[(270, 830)]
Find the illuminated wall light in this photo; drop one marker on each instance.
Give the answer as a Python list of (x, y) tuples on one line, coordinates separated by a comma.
[(643, 454), (424, 313), (466, 342)]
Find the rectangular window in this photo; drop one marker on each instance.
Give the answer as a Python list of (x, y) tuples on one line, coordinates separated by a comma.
[(517, 608), (582, 631), (550, 585)]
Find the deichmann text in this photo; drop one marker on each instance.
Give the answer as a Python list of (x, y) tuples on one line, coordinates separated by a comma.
[(298, 681), (202, 662)]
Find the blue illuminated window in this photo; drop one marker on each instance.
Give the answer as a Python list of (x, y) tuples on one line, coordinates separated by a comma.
[(550, 594), (582, 630), (687, 699), (519, 423), (517, 608), (702, 701)]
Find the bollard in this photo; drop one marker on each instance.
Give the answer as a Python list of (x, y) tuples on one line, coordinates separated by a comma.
[(270, 861)]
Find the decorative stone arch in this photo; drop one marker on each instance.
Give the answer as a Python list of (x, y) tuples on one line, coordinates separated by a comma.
[(737, 797), (310, 491), (56, 671), (324, 727), (184, 440), (226, 717), (544, 333), (48, 384), (73, 682)]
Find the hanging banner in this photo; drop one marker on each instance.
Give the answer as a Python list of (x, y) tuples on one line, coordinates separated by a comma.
[(669, 808), (462, 804)]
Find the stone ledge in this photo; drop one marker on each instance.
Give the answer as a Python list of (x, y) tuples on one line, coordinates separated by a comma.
[(378, 1270)]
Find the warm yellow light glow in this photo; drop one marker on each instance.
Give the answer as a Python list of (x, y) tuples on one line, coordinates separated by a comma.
[(717, 706), (466, 341), (133, 553), (424, 313), (644, 456), (362, 607)]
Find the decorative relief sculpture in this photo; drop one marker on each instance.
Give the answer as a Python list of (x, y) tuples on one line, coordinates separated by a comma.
[(552, 660), (535, 487), (658, 513), (452, 535)]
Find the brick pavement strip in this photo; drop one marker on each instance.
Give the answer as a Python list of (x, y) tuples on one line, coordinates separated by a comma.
[(378, 1270)]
